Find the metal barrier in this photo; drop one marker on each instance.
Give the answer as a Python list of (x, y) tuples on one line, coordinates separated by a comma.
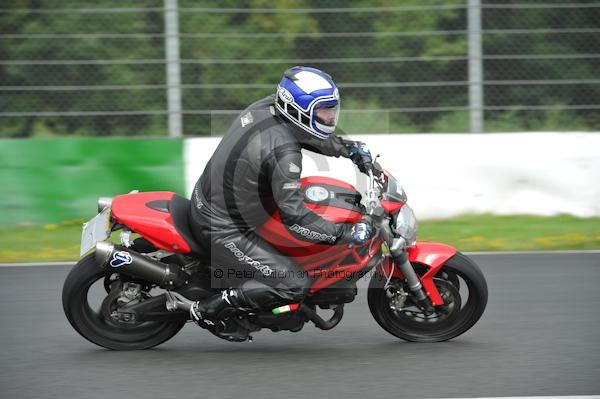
[(173, 68)]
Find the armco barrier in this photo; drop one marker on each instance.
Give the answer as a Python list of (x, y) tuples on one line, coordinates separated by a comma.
[(446, 175), (49, 181)]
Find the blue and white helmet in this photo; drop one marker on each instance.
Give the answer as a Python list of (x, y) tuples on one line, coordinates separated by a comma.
[(308, 98)]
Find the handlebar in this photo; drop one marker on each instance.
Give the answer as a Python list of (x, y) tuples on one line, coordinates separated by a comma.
[(377, 182), (364, 163), (371, 168)]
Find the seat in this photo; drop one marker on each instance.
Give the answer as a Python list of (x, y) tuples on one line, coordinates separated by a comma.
[(179, 209)]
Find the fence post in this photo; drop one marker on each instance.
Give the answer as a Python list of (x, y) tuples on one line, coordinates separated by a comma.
[(173, 68), (475, 66)]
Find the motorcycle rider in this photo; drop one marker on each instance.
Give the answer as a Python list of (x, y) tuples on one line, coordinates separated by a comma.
[(255, 169)]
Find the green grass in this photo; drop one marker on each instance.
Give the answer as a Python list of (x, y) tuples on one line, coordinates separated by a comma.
[(52, 242), (513, 233), (60, 242)]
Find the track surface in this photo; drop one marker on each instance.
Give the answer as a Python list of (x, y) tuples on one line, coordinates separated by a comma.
[(540, 335)]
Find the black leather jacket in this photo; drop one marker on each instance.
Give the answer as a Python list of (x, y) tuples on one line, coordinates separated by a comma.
[(256, 169)]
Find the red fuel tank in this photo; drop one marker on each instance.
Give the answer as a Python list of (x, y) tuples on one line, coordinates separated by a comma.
[(332, 199)]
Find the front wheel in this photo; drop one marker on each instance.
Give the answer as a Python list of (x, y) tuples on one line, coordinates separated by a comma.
[(98, 322), (460, 283)]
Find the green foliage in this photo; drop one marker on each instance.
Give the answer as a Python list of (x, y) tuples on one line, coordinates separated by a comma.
[(80, 75), (281, 39)]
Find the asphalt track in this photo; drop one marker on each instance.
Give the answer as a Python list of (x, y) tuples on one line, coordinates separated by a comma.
[(540, 336)]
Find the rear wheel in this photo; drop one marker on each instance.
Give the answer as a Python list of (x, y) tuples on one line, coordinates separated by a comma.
[(92, 312), (460, 283)]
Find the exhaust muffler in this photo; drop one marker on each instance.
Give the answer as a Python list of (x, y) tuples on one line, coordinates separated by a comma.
[(124, 260)]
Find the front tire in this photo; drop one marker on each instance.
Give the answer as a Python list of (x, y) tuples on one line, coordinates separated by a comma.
[(94, 326), (461, 284)]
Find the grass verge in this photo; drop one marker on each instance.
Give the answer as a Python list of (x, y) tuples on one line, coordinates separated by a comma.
[(513, 233), (60, 242)]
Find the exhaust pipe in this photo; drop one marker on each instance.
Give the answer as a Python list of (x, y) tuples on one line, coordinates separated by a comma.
[(104, 202), (126, 261), (338, 312)]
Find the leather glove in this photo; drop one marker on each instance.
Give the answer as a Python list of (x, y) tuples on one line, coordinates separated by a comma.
[(361, 156), (361, 232)]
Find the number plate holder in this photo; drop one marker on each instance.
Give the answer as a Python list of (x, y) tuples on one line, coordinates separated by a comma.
[(95, 230)]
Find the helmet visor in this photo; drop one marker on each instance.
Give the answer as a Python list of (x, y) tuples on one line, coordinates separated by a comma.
[(327, 114)]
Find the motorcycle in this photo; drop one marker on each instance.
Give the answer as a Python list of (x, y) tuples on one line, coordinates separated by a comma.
[(419, 291)]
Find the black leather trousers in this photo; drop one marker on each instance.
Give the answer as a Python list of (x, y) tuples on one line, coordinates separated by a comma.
[(240, 259)]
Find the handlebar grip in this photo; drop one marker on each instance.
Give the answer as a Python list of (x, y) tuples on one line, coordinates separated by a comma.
[(348, 143), (367, 218), (373, 167)]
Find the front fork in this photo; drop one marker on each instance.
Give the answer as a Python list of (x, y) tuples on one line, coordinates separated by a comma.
[(399, 253), (400, 256)]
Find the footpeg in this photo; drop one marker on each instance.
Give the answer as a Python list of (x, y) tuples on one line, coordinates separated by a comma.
[(176, 301)]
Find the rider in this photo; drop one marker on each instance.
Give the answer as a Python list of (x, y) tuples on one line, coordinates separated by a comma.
[(256, 169)]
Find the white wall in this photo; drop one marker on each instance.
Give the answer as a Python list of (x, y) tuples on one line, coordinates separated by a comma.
[(450, 174)]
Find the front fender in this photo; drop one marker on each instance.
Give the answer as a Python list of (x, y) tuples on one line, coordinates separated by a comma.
[(432, 255)]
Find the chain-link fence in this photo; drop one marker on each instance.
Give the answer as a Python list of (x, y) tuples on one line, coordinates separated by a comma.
[(100, 67)]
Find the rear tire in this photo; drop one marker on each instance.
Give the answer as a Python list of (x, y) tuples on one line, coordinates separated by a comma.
[(465, 303), (95, 327)]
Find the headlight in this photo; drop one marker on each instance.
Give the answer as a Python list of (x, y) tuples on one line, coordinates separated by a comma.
[(406, 225)]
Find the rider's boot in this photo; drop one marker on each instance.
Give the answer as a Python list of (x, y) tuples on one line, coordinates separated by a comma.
[(211, 314)]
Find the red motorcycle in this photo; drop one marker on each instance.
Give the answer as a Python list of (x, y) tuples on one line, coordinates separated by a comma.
[(419, 291)]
